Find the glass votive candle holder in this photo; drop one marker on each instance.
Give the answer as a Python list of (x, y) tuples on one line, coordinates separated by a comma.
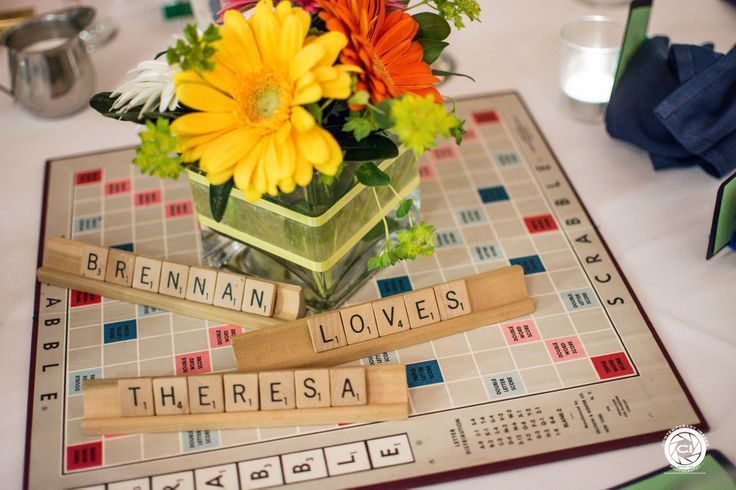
[(589, 55)]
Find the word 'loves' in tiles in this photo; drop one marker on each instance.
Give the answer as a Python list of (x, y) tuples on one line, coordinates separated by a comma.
[(240, 392), (388, 316), (192, 283)]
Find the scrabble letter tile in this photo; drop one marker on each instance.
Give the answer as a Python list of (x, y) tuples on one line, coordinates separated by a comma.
[(421, 306), (94, 262), (259, 297), (277, 390), (348, 386), (136, 396), (170, 395), (452, 299), (120, 266), (229, 290), (326, 331), (206, 393), (201, 285), (359, 323), (390, 315), (241, 392), (174, 279), (312, 388), (146, 274)]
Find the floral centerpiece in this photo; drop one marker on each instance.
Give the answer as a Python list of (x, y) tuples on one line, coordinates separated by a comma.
[(299, 125)]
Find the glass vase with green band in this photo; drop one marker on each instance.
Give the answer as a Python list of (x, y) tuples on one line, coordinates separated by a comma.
[(318, 236)]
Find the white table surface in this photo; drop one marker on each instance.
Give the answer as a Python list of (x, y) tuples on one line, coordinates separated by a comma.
[(656, 223)]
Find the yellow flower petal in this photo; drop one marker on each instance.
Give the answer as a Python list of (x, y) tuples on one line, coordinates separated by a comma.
[(238, 48), (335, 154), (244, 169), (204, 98), (301, 119), (222, 78), (338, 88), (220, 178), (332, 43), (202, 122), (307, 95), (325, 73), (267, 32), (313, 146), (188, 76), (292, 36), (228, 150), (287, 186), (305, 59), (283, 9), (286, 155), (303, 172)]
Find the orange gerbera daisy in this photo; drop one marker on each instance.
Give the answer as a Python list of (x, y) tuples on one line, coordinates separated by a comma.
[(383, 46)]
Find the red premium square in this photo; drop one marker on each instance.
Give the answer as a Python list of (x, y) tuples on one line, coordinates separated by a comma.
[(80, 298), (540, 223), (486, 117), (115, 187), (193, 363), (81, 456), (89, 176), (147, 198), (612, 365), (177, 209)]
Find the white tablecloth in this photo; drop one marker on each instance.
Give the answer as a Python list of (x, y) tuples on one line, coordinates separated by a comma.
[(656, 223)]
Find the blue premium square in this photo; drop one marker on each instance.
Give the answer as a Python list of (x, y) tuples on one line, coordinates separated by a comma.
[(532, 264), (423, 373), (394, 285), (493, 194)]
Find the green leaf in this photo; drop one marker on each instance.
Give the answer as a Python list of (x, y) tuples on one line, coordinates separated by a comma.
[(382, 114), (360, 125), (370, 175), (360, 98), (373, 147), (432, 26), (219, 195), (443, 73), (404, 208), (432, 49), (102, 103)]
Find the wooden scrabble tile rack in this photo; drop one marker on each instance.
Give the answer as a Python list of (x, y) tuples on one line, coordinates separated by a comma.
[(189, 290), (358, 331), (245, 400)]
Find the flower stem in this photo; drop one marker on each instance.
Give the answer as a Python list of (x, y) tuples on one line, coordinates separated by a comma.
[(408, 215), (385, 223), (424, 2)]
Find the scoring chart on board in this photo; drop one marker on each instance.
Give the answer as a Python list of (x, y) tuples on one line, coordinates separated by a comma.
[(583, 369)]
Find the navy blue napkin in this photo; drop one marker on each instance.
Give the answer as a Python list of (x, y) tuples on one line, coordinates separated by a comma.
[(679, 104)]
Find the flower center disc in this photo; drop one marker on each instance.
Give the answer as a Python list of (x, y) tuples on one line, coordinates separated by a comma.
[(263, 101), (267, 103)]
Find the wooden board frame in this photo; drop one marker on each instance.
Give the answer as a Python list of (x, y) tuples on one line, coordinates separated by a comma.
[(494, 296), (386, 387)]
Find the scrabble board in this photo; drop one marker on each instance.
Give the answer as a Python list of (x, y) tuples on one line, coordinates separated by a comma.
[(584, 373)]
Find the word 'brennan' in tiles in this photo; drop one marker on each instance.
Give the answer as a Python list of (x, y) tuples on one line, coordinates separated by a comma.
[(388, 316), (170, 279), (239, 392)]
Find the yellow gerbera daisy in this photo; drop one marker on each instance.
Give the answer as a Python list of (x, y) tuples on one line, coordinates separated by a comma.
[(250, 123)]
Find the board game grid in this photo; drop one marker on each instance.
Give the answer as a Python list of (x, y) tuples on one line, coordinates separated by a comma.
[(491, 206)]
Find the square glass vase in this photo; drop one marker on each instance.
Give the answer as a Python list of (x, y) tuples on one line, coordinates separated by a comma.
[(319, 237)]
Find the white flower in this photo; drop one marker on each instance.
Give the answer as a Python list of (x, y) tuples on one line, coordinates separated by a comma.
[(154, 82)]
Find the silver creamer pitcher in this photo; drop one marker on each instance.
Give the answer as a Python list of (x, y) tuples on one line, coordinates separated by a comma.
[(51, 73)]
